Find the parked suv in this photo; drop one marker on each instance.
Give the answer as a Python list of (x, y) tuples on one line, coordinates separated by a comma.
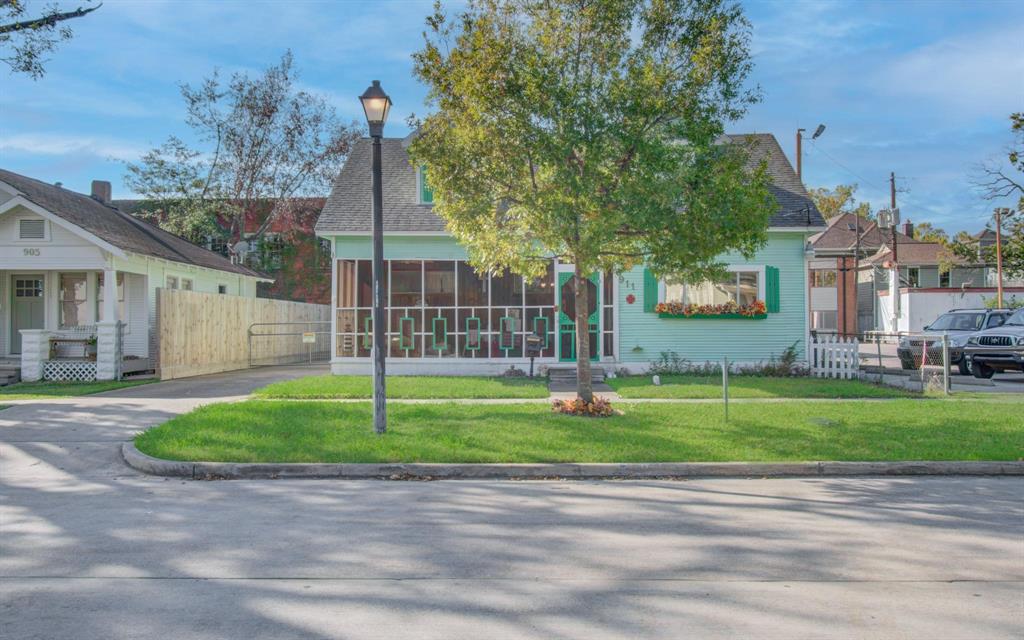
[(999, 349), (960, 324)]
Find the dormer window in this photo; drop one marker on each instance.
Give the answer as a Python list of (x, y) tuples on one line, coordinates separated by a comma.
[(426, 194)]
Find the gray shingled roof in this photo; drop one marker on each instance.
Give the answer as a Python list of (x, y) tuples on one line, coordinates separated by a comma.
[(838, 238), (348, 207), (117, 228), (796, 209)]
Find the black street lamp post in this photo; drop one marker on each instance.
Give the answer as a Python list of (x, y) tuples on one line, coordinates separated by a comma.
[(376, 105)]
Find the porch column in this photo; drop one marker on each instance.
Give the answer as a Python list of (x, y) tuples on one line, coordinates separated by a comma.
[(106, 346), (110, 294), (35, 349)]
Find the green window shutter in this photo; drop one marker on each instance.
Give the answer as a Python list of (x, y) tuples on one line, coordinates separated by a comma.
[(771, 289), (650, 291), (426, 194)]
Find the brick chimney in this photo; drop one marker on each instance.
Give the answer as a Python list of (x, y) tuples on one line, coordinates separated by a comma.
[(101, 191), (908, 229)]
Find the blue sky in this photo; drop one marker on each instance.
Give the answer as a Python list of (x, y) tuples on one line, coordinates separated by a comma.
[(920, 88)]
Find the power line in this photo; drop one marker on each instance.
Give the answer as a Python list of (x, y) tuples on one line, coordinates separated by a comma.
[(903, 191)]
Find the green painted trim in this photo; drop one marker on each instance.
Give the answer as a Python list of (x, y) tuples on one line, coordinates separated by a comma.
[(713, 316), (368, 332), (401, 333), (650, 291), (545, 334), (771, 286), (477, 320), (426, 193), (568, 324), (433, 334), (501, 333)]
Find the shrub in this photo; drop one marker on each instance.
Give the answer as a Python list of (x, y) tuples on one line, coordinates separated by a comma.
[(783, 366), (599, 408)]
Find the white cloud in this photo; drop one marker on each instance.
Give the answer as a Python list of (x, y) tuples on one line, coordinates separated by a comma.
[(60, 145), (975, 74)]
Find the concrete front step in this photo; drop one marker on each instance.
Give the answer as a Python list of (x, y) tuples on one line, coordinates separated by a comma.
[(9, 376), (567, 375)]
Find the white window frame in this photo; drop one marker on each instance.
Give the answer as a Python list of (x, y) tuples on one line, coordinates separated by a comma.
[(732, 268), (167, 282), (191, 284), (17, 230), (222, 289)]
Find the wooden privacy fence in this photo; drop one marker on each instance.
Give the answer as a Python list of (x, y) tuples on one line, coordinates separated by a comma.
[(200, 333), (835, 357)]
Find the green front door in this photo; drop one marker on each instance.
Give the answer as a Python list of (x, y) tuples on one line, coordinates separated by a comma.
[(27, 307), (567, 310)]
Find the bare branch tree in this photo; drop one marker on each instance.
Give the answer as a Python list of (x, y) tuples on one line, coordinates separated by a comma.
[(29, 39)]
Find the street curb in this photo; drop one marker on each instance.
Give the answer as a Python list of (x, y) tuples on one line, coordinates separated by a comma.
[(561, 470)]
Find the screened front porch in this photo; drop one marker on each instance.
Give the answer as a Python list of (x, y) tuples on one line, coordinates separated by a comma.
[(443, 309)]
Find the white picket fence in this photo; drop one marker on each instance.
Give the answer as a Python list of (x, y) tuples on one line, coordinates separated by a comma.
[(835, 357)]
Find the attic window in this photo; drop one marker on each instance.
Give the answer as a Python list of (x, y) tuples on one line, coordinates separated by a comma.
[(32, 229), (426, 193)]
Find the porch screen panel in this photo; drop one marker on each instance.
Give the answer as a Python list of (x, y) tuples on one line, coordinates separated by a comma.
[(444, 309), (347, 326)]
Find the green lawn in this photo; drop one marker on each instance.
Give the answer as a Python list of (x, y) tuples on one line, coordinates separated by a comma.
[(43, 390), (262, 431), (694, 386), (407, 387)]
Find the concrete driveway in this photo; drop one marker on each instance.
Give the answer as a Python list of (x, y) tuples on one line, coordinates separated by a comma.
[(91, 549)]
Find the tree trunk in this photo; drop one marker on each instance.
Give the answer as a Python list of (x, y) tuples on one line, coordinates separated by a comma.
[(584, 387)]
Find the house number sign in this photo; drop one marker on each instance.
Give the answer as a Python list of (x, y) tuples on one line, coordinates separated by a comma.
[(34, 252)]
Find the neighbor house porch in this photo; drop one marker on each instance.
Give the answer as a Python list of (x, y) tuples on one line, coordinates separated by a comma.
[(74, 324)]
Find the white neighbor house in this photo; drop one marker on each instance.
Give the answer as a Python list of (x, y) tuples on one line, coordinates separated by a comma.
[(72, 268)]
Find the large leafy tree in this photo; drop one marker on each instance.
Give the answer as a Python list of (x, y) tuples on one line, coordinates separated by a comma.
[(28, 34), (1002, 182), (264, 145), (839, 201), (927, 232), (592, 132)]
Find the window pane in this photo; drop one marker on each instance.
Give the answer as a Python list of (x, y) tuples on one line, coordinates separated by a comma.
[(747, 287), (711, 292), (674, 292), (541, 292), (406, 283), (439, 278), (72, 299), (506, 290)]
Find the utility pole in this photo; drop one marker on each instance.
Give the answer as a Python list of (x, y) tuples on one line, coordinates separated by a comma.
[(892, 206), (999, 256), (800, 154)]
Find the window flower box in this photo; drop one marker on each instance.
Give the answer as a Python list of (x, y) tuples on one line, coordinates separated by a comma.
[(727, 311)]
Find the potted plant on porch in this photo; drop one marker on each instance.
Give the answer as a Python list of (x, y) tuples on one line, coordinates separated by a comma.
[(90, 348)]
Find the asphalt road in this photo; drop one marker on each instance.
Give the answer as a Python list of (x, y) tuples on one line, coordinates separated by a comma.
[(89, 549)]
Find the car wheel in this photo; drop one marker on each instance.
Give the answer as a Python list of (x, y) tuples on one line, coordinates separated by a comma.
[(982, 371), (965, 366)]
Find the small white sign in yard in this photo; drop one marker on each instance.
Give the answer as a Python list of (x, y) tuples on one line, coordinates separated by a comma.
[(309, 337)]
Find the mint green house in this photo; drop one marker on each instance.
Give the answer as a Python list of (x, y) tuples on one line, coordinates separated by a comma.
[(443, 317)]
